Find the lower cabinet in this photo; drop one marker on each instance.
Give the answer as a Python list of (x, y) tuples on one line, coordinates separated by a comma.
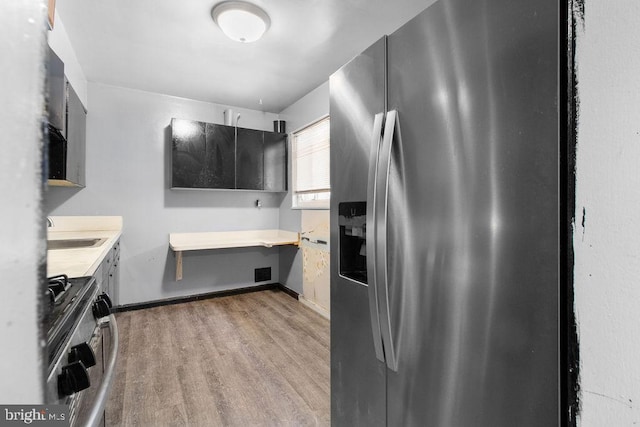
[(108, 274), (113, 285), (212, 156)]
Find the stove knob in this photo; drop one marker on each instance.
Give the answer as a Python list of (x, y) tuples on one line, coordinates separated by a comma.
[(82, 353), (72, 379), (101, 308), (106, 297)]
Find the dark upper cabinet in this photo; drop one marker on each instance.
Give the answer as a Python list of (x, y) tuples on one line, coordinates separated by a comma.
[(76, 124), (212, 156), (249, 160), (275, 161), (56, 95), (67, 128), (203, 155), (220, 155), (189, 169)]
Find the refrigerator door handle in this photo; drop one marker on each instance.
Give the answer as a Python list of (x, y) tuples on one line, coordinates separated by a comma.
[(391, 129), (371, 236)]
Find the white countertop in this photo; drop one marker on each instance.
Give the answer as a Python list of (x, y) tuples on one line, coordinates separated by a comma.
[(80, 262), (180, 242), (231, 239)]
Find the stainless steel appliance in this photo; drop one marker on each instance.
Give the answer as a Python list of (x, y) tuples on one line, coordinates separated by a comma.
[(445, 221), (82, 348)]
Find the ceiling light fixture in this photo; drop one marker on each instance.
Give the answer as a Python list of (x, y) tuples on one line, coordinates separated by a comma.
[(241, 21)]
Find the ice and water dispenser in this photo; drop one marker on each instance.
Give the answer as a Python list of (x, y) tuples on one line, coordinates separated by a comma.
[(352, 219)]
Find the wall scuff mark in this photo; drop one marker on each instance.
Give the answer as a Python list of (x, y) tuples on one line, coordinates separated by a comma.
[(316, 259), (627, 402)]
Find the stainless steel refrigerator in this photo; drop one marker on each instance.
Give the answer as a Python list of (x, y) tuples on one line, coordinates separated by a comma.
[(445, 235)]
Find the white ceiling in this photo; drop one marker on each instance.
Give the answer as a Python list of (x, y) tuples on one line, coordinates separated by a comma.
[(174, 47)]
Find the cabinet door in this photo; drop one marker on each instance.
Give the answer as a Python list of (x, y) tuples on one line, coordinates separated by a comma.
[(249, 160), (113, 282), (56, 100), (76, 138), (220, 155), (275, 161), (114, 274), (188, 168), (106, 270)]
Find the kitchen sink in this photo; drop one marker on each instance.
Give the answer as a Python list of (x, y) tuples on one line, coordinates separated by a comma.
[(75, 243)]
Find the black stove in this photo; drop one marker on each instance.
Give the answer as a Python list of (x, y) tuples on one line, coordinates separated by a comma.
[(66, 297), (81, 333)]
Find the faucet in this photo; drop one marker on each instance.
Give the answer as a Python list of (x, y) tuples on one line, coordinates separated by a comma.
[(49, 222)]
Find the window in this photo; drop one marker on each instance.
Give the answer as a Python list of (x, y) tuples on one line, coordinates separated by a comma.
[(311, 181)]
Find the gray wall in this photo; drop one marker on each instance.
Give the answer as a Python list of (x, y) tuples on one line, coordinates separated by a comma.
[(149, 277), (128, 161), (306, 110), (22, 253), (606, 244), (59, 42)]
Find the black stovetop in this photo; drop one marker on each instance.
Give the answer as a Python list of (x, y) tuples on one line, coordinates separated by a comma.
[(66, 298)]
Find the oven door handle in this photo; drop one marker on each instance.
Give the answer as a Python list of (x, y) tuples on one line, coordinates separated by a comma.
[(103, 393)]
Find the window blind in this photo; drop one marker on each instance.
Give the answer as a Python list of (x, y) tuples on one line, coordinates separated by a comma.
[(311, 154)]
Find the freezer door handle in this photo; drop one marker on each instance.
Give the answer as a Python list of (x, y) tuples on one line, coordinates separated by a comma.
[(371, 235), (391, 130)]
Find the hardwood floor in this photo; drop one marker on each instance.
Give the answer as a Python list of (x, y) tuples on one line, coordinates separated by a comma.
[(254, 359)]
